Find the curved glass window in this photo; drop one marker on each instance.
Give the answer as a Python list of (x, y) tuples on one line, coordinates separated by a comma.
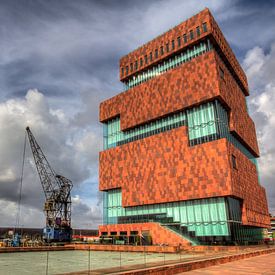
[(164, 66)]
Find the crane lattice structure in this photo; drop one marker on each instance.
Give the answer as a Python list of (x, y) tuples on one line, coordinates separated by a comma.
[(57, 191)]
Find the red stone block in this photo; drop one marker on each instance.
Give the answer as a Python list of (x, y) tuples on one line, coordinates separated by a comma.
[(159, 234)]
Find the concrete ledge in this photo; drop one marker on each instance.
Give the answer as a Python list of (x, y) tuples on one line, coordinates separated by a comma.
[(125, 248), (219, 248), (34, 249)]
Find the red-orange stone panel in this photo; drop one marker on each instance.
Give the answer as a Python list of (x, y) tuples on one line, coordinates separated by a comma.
[(239, 120), (159, 234), (163, 168), (245, 185)]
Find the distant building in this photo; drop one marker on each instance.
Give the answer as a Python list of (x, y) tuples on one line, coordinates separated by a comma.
[(272, 226), (32, 233), (180, 151), (37, 233)]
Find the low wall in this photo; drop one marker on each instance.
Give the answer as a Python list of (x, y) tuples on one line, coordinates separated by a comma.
[(219, 248), (34, 249), (164, 249), (124, 248)]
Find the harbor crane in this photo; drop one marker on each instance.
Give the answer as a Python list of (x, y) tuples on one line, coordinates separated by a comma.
[(57, 190)]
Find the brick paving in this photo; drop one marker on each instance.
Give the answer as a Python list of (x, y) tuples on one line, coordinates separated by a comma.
[(264, 264)]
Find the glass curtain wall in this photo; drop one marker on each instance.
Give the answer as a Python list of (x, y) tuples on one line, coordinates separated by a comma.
[(113, 136), (111, 133), (204, 220), (202, 124), (205, 217)]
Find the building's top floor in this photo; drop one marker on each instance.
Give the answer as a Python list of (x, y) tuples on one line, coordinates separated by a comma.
[(182, 36)]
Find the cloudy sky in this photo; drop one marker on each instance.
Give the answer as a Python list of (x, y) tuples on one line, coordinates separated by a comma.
[(59, 59)]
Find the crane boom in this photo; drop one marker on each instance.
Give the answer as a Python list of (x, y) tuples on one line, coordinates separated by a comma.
[(57, 191), (45, 172)]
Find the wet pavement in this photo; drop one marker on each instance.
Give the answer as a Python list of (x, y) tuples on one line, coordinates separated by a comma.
[(264, 264)]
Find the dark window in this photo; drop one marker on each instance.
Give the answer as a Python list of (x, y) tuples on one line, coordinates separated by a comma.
[(234, 162), (127, 69), (133, 232), (122, 71), (173, 45), (156, 53), (161, 50), (131, 67), (221, 73), (167, 47), (104, 233), (123, 233), (204, 27), (151, 56), (141, 62), (113, 233), (198, 31), (136, 65), (191, 35), (185, 38), (146, 59), (179, 41)]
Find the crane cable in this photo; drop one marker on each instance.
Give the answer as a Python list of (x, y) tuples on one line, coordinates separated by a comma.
[(20, 187)]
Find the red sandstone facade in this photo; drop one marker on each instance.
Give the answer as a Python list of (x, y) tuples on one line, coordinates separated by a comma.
[(163, 168)]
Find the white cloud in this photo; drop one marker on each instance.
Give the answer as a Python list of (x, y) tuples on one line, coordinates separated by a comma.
[(71, 151), (85, 215), (260, 69), (29, 217), (7, 175)]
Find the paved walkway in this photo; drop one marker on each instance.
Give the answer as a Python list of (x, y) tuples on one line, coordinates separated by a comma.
[(264, 264)]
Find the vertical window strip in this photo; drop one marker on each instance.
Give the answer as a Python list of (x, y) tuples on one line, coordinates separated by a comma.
[(131, 67), (173, 45), (204, 27), (198, 31), (201, 124), (191, 35), (167, 47), (185, 38), (179, 41)]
